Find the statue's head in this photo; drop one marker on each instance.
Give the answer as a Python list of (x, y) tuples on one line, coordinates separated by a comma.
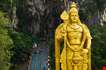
[(73, 13)]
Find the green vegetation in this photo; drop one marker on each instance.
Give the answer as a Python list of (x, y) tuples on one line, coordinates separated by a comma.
[(98, 46), (6, 42), (21, 50), (15, 47)]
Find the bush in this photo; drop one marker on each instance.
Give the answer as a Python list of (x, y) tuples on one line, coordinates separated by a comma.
[(6, 43)]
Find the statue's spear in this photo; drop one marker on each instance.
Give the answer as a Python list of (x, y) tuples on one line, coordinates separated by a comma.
[(65, 3), (74, 0)]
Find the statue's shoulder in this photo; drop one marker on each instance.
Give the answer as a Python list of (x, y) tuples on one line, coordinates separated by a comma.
[(87, 30), (60, 27), (85, 26), (59, 31)]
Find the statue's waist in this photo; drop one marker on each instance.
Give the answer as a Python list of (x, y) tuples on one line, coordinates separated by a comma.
[(74, 42), (73, 46)]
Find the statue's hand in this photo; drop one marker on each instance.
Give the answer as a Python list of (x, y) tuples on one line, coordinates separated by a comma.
[(77, 49), (85, 51)]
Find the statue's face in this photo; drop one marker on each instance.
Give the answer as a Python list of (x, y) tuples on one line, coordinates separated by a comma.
[(74, 15)]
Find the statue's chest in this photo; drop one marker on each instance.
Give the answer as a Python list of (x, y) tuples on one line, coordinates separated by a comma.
[(74, 28)]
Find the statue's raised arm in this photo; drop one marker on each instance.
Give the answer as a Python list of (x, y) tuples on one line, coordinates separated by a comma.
[(59, 37)]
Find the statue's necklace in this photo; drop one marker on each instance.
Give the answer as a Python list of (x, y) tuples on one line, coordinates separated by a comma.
[(75, 26)]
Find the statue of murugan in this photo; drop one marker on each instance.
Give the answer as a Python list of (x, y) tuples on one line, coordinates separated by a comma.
[(72, 42)]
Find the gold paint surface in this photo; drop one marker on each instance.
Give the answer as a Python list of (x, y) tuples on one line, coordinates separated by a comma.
[(76, 53)]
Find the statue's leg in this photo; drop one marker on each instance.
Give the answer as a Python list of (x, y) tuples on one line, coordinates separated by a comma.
[(69, 56), (85, 67), (69, 64), (75, 67), (85, 62), (80, 67)]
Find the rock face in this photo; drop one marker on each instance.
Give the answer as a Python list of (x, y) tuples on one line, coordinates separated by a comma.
[(35, 16)]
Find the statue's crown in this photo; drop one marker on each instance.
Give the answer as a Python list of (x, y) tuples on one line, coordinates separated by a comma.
[(73, 5)]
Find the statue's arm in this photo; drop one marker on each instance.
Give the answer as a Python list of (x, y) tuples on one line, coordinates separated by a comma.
[(57, 55), (88, 38), (58, 39), (88, 47)]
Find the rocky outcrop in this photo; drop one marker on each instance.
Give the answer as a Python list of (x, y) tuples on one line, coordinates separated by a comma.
[(35, 16)]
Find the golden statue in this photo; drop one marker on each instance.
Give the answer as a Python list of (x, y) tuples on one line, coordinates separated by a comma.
[(72, 42)]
